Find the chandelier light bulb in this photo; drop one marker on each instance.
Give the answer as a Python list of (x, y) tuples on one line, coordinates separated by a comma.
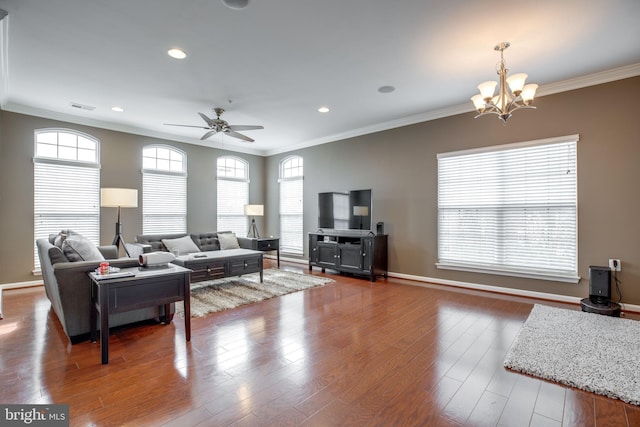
[(516, 83), (487, 89), (528, 92), (478, 102)]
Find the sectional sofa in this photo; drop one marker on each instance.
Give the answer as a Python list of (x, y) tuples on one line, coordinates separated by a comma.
[(67, 257), (67, 285)]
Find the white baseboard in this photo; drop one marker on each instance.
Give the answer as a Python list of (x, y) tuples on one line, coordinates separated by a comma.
[(501, 290), (19, 285)]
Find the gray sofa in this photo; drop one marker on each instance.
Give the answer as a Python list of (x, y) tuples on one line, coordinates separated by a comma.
[(208, 241), (68, 288)]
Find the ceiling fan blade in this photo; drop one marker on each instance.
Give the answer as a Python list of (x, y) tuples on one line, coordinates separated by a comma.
[(186, 126), (237, 135), (243, 127), (208, 134), (209, 121)]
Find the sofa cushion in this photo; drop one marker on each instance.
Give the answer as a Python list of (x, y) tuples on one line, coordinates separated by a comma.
[(155, 240), (56, 255), (206, 241), (181, 245), (228, 240), (79, 248)]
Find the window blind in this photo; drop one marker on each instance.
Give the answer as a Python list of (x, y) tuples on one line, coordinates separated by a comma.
[(510, 209), (164, 202), (65, 196), (291, 228), (233, 194)]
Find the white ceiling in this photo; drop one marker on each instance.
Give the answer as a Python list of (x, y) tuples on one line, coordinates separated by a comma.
[(275, 62)]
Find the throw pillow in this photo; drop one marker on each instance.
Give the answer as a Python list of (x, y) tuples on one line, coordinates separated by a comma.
[(79, 248), (228, 241), (62, 235), (181, 245)]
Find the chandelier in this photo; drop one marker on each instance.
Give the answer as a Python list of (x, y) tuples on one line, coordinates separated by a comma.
[(506, 102)]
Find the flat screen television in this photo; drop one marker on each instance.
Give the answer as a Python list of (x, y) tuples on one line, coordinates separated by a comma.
[(349, 210)]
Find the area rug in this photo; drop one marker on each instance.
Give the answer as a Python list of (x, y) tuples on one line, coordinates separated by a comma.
[(223, 294), (592, 352)]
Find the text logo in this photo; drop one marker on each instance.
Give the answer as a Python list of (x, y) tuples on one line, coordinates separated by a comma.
[(34, 415)]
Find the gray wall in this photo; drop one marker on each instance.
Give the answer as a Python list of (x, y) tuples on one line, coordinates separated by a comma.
[(121, 161), (399, 165)]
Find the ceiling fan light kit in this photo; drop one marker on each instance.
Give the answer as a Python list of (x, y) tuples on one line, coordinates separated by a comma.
[(217, 125), (506, 102)]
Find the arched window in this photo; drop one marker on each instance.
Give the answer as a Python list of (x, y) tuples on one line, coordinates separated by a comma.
[(164, 190), (233, 193), (66, 181), (291, 186)]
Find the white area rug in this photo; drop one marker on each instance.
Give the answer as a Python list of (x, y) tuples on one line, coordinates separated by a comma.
[(223, 294), (596, 353)]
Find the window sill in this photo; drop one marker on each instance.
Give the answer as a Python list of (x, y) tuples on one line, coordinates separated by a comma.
[(551, 276)]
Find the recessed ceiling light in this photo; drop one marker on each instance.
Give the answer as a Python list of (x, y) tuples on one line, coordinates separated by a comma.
[(117, 109), (386, 89), (177, 53), (323, 109), (236, 4)]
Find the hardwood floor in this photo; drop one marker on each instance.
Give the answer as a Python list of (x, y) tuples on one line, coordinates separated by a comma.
[(348, 353)]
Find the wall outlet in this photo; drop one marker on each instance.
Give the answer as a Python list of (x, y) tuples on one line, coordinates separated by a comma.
[(614, 265)]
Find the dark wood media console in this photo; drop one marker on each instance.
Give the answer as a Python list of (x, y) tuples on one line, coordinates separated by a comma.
[(356, 253)]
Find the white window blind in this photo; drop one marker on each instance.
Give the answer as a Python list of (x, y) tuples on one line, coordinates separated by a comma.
[(164, 190), (232, 194), (291, 233), (164, 203), (291, 206), (510, 209), (66, 185)]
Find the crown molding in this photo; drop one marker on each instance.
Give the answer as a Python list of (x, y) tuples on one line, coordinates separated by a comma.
[(548, 89)]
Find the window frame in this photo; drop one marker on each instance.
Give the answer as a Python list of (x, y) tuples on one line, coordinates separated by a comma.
[(158, 173), (78, 164), (287, 246), (233, 179), (567, 271)]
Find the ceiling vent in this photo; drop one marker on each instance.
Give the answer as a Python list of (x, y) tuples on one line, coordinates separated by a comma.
[(82, 106)]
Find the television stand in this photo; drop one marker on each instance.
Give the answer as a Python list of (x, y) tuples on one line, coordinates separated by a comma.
[(359, 253), (607, 308)]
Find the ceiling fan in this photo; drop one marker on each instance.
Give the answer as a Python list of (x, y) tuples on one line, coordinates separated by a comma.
[(218, 125)]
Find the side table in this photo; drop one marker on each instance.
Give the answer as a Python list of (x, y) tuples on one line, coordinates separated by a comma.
[(134, 288), (265, 244)]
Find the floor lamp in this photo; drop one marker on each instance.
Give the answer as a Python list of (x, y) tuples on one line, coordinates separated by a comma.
[(253, 211), (119, 198)]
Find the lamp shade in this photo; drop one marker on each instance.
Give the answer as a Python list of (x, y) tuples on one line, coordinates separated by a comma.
[(254, 210), (118, 197), (360, 211)]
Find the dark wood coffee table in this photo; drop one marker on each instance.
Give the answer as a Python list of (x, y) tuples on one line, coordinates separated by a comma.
[(143, 287)]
